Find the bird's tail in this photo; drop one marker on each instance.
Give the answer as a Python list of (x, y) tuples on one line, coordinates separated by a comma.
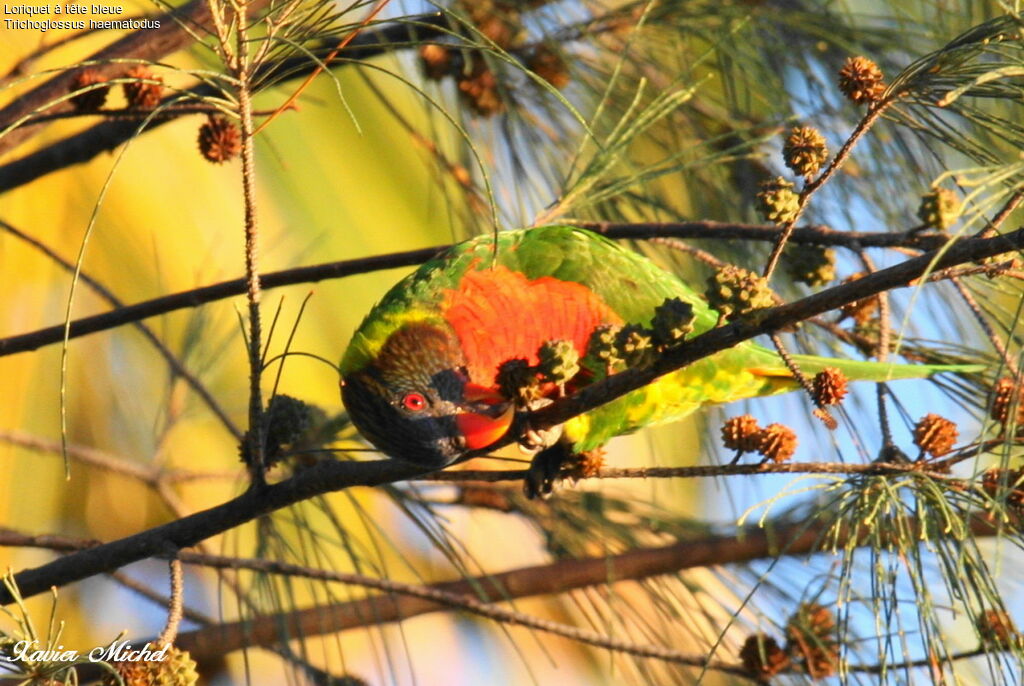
[(860, 370)]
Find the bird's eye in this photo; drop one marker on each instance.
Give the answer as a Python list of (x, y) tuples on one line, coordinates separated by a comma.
[(414, 402)]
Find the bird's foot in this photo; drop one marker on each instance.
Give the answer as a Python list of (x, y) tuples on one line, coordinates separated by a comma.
[(545, 469), (550, 465), (533, 439)]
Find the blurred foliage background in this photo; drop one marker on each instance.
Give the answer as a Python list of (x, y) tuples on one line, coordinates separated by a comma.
[(475, 117)]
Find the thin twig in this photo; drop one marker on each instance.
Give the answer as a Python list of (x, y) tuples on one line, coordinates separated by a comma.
[(991, 227), (175, 604), (1007, 268), (893, 668), (242, 71), (693, 251), (820, 412), (149, 474), (881, 351), (874, 112), (438, 595), (136, 114), (986, 326), (817, 234)]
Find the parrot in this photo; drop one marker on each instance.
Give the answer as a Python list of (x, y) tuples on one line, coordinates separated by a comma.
[(419, 378)]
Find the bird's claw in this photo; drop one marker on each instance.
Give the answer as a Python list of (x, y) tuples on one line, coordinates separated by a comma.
[(533, 439), (544, 471)]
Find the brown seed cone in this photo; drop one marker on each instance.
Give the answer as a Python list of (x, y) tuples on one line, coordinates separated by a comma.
[(812, 638), (862, 311), (602, 348), (558, 361), (741, 433), (763, 657), (734, 292), (517, 381), (805, 151), (997, 630), (995, 480), (860, 80), (777, 442), (479, 90), (549, 65), (935, 435), (219, 139), (634, 345), (1006, 394), (437, 61), (138, 93), (586, 464), (672, 322), (90, 100), (131, 673), (829, 386), (777, 201), (498, 21), (939, 208), (810, 264)]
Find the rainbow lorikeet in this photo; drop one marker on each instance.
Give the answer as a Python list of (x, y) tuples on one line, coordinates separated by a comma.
[(419, 376)]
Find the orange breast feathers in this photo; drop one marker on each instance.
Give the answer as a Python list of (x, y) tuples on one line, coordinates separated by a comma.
[(499, 314)]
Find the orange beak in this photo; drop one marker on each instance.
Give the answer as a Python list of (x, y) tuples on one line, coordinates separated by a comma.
[(488, 421)]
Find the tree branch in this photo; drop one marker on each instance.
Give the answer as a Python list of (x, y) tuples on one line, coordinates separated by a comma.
[(545, 579), (208, 294), (818, 235)]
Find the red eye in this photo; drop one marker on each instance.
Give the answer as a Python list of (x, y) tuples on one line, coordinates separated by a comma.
[(414, 402)]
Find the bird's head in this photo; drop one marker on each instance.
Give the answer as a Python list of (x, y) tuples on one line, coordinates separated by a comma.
[(414, 400)]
